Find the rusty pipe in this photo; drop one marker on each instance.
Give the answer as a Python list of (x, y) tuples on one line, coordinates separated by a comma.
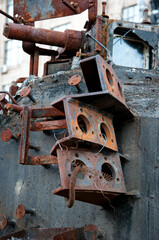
[(70, 40), (11, 97), (30, 48), (13, 107)]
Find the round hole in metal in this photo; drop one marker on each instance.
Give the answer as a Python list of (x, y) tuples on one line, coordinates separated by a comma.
[(83, 123), (76, 163), (109, 77), (108, 172), (104, 131)]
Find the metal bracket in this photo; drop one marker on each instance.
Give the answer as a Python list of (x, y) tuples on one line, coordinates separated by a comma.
[(100, 76), (101, 177), (87, 125), (27, 126)]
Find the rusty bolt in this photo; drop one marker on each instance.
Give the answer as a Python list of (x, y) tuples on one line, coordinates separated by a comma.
[(21, 211), (145, 17), (75, 5), (91, 3), (6, 135), (74, 81), (104, 7), (26, 92), (4, 222)]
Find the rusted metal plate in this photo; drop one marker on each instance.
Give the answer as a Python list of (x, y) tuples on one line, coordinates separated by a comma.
[(48, 125), (42, 160), (103, 100), (96, 197), (75, 234), (99, 171), (46, 112), (33, 10), (25, 92), (85, 123)]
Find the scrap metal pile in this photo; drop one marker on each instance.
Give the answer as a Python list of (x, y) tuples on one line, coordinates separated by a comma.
[(87, 152)]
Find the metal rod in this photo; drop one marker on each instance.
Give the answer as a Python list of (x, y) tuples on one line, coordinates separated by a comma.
[(7, 15), (69, 6), (106, 49)]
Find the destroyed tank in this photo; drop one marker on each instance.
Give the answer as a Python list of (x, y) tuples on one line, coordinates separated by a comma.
[(79, 146)]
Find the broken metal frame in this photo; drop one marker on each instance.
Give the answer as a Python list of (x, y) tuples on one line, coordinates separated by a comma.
[(27, 114)]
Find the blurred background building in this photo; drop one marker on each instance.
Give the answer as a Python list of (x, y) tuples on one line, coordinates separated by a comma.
[(14, 63)]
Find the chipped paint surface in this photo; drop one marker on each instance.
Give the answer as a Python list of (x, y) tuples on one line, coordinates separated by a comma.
[(36, 7)]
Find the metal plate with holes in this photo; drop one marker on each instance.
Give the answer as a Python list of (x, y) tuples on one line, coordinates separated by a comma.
[(33, 10), (87, 124), (102, 100), (100, 172), (100, 76)]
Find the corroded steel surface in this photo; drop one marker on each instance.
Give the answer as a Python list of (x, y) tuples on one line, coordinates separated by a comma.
[(100, 76), (87, 124), (48, 125), (32, 10), (103, 100), (98, 172), (6, 134)]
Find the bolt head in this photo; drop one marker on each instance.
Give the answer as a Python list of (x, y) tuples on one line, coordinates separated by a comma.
[(6, 134), (25, 91), (20, 211), (74, 80)]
